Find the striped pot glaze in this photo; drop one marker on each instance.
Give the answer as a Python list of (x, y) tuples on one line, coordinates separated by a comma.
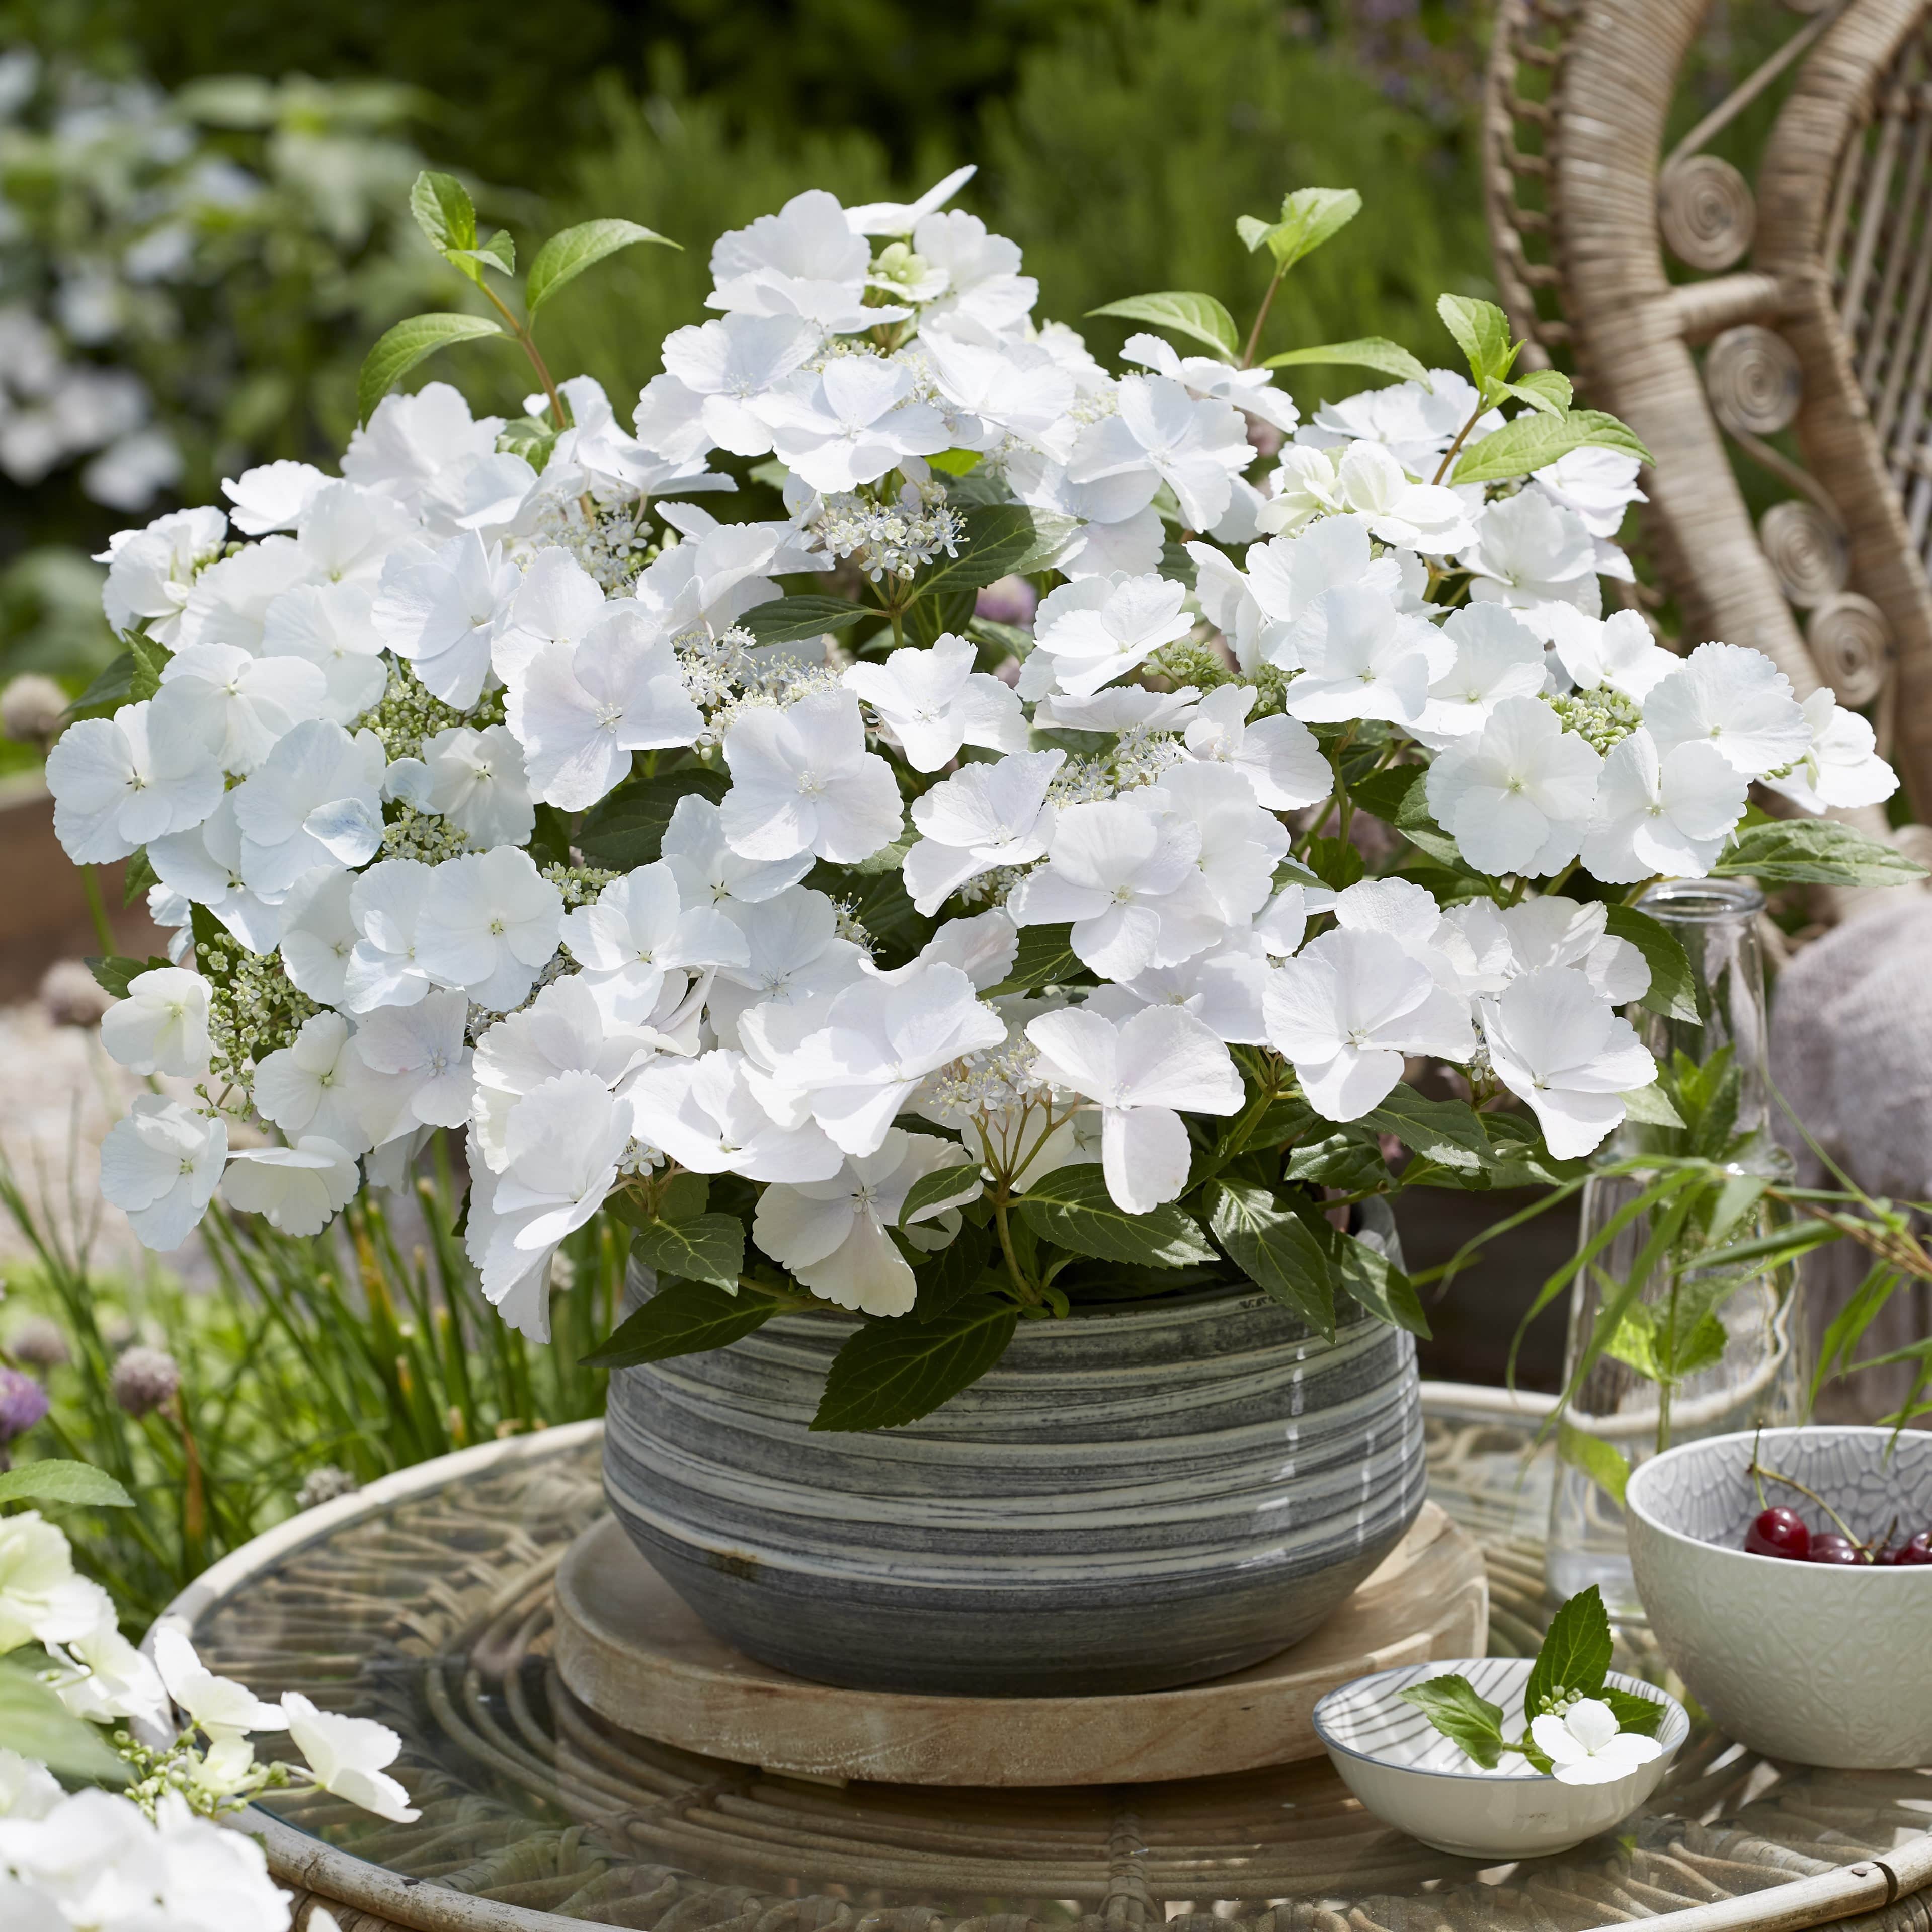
[(1142, 1495)]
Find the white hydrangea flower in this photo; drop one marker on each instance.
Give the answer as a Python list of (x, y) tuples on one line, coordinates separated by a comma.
[(1673, 811), (313, 1087), (981, 818), (933, 702), (117, 784), (831, 1235), (1497, 657), (1532, 556), (41, 1600), (1843, 766), (1278, 757), (1143, 1072), (298, 1189), (1362, 658), (1372, 485), (851, 423), (315, 801), (161, 1027), (331, 626), (1585, 1746), (793, 952), (703, 1114), (439, 608), (1618, 651), (1241, 843), (1518, 795), (151, 571), (802, 781), (1348, 1008), (1557, 932), (235, 705), (713, 373), (1735, 699), (382, 906), (477, 782), (489, 922), (636, 931), (419, 1057), (349, 1756), (708, 872), (1561, 1049), (219, 1704), (1251, 390), (159, 1166), (271, 496), (1088, 633), (1161, 434)]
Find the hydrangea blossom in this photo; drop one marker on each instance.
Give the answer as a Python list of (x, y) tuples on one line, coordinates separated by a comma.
[(516, 795)]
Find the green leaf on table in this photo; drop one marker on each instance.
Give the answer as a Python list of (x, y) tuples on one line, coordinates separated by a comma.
[(944, 1187), (709, 1248), (398, 350), (683, 1318), (1045, 957), (564, 257), (894, 1371), (1603, 1462), (797, 620), (626, 829), (56, 1481), (1379, 1286), (1463, 1713), (1367, 351), (1673, 991), (1642, 1717), (1530, 442), (1575, 1655), (948, 1277), (1273, 1247), (1071, 1208), (1449, 1132), (443, 211), (1482, 332), (1814, 851), (36, 1724), (1199, 317)]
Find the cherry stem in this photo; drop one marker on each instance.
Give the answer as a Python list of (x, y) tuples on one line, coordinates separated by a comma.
[(1791, 1482)]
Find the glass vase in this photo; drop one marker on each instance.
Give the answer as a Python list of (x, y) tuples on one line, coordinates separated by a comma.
[(1694, 1350)]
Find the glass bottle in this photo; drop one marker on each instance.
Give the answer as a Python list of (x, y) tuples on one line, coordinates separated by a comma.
[(1699, 1351)]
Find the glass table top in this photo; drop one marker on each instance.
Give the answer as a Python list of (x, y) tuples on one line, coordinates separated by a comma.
[(431, 1610)]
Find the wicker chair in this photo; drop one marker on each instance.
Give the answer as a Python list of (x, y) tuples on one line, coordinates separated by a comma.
[(1825, 331)]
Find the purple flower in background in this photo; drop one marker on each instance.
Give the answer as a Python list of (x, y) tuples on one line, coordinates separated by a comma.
[(143, 1380), (23, 1403), (1009, 600)]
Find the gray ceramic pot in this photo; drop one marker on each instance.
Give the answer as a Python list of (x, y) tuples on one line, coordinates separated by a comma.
[(1142, 1495)]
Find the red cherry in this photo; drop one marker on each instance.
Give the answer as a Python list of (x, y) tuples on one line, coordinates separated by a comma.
[(1833, 1548), (1919, 1550), (1779, 1532)]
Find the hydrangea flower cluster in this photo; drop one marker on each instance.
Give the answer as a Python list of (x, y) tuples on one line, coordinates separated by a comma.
[(152, 1856), (495, 786)]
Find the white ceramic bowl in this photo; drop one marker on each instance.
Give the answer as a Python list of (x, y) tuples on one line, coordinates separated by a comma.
[(1817, 1662), (1413, 1777)]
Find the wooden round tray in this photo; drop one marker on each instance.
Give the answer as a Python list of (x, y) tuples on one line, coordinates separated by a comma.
[(630, 1647)]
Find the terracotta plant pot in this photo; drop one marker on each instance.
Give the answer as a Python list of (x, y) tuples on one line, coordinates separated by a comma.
[(1144, 1494)]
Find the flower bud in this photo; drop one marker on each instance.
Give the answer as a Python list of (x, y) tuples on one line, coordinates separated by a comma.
[(31, 706), (39, 1343), (144, 1379), (23, 1402)]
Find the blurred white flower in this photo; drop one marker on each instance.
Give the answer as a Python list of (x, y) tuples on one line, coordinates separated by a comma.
[(41, 1599), (1144, 1072), (298, 1189), (350, 1757), (219, 1704), (160, 1165)]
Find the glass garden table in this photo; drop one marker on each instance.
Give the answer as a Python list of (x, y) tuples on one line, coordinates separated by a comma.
[(425, 1601)]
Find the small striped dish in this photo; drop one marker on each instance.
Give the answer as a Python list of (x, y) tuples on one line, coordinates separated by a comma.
[(1411, 1776)]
